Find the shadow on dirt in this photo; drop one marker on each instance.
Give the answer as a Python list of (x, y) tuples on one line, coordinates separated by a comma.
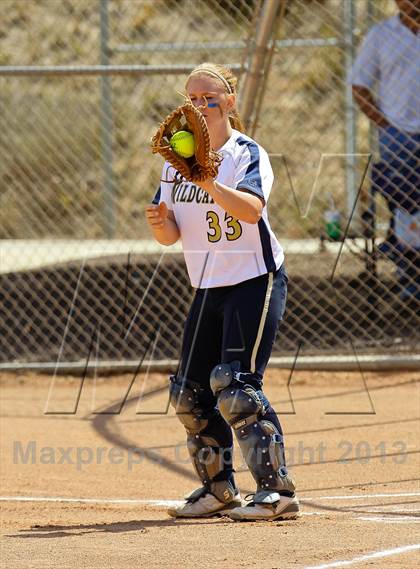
[(138, 526)]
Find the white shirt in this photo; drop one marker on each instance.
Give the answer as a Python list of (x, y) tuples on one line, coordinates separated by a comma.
[(390, 59), (218, 249)]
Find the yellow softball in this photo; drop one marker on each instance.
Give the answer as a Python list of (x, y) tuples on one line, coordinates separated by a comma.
[(183, 143)]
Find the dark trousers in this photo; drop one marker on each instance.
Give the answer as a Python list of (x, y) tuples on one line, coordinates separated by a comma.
[(226, 324), (397, 178), (399, 181)]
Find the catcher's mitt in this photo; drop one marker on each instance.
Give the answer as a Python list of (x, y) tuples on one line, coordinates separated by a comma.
[(205, 162)]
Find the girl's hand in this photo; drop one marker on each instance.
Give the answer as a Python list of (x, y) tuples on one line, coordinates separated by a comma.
[(157, 215)]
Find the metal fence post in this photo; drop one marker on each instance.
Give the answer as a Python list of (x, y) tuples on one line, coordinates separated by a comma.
[(350, 115), (107, 128), (256, 63), (371, 18)]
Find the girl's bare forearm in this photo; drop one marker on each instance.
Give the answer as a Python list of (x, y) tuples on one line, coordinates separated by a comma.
[(240, 205), (168, 234)]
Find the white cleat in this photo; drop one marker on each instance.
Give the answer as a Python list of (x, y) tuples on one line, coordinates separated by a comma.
[(271, 507), (202, 504)]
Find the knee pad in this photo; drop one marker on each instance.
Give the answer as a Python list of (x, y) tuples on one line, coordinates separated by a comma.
[(183, 395), (238, 402)]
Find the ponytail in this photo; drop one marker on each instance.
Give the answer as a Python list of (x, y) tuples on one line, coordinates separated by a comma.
[(236, 121)]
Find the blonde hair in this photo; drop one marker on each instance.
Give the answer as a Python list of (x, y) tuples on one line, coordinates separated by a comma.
[(229, 82)]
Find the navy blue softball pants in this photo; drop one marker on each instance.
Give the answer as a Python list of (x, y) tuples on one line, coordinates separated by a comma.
[(226, 324)]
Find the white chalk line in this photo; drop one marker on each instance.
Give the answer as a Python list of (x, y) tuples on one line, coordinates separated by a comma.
[(168, 503), (90, 500), (363, 496), (171, 502), (372, 555), (174, 503), (391, 508), (390, 519), (177, 502), (379, 519), (398, 509), (165, 503)]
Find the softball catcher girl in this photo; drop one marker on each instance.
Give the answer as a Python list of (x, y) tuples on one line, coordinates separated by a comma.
[(235, 265)]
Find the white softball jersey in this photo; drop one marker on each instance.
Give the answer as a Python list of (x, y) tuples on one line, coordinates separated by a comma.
[(220, 250)]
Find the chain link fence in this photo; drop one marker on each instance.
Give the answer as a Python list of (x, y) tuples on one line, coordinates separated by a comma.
[(80, 274)]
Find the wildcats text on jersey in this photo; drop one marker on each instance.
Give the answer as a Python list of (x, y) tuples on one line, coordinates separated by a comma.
[(187, 192), (219, 249)]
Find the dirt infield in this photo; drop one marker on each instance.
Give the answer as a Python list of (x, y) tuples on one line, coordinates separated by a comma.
[(86, 484)]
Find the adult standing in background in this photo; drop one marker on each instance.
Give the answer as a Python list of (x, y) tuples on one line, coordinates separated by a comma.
[(386, 86)]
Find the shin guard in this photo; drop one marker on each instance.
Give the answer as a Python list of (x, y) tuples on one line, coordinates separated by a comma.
[(259, 439), (207, 455)]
